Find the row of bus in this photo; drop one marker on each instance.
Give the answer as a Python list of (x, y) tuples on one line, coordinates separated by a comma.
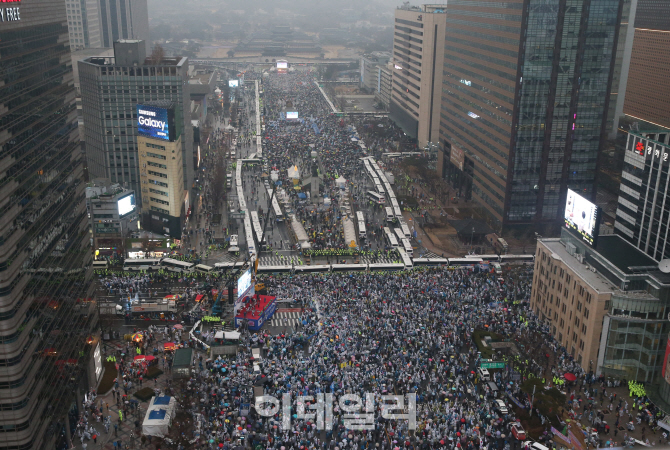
[(397, 239), (174, 265)]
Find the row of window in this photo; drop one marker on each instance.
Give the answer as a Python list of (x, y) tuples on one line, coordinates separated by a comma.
[(158, 200), (157, 174)]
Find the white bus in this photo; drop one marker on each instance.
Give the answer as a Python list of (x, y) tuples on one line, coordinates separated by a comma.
[(398, 234), (389, 214), (361, 230), (390, 238), (465, 261), (314, 268), (405, 230), (376, 197), (359, 216), (386, 266), (101, 264), (275, 207), (141, 264), (233, 244), (258, 230), (431, 262), (174, 265), (222, 267), (406, 260), (407, 246), (349, 267), (202, 268)]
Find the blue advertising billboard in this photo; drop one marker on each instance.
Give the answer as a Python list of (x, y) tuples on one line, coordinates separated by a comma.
[(153, 122)]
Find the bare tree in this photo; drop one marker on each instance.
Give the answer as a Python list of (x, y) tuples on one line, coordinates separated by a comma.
[(157, 54)]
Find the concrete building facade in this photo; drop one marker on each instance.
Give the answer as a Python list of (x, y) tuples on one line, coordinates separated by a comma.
[(124, 19), (83, 22), (524, 102), (162, 179), (384, 87), (607, 305), (418, 43), (111, 88), (108, 223)]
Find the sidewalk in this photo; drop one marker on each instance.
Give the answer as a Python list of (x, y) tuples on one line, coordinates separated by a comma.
[(126, 433)]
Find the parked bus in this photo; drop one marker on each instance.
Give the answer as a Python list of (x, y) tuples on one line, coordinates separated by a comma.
[(489, 258), (274, 269), (202, 268), (349, 267), (233, 244), (362, 232), (314, 268), (222, 267), (391, 240), (390, 217), (398, 234), (465, 261), (376, 197), (258, 230), (431, 262), (405, 230), (138, 265), (174, 265), (386, 266), (360, 217), (407, 247), (101, 264), (517, 258), (406, 260)]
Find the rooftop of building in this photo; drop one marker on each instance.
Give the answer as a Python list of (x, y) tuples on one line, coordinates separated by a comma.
[(111, 61), (428, 8), (167, 104), (623, 255), (636, 125), (599, 283)]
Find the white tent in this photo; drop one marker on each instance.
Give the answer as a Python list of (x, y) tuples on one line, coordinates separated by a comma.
[(341, 182), (232, 335), (159, 415), (293, 172)]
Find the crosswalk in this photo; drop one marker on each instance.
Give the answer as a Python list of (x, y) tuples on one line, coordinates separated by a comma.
[(375, 259), (277, 261), (285, 318)]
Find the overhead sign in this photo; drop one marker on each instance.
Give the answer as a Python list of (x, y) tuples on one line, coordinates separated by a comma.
[(492, 365), (11, 14), (153, 122)]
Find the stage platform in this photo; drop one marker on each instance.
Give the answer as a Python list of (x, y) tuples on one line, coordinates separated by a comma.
[(256, 310)]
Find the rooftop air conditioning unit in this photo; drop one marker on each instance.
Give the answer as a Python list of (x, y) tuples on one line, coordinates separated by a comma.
[(580, 258), (571, 248)]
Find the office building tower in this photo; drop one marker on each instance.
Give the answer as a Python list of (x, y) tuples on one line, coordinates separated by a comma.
[(124, 19), (113, 216), (606, 304), (47, 339), (524, 102), (164, 200), (370, 64), (648, 87), (83, 23), (111, 89), (384, 87), (418, 43), (643, 210)]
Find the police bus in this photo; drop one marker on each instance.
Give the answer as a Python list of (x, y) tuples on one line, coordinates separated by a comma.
[(141, 264), (391, 239), (174, 265), (376, 197)]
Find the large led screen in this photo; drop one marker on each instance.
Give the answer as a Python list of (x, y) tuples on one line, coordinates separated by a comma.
[(582, 217)]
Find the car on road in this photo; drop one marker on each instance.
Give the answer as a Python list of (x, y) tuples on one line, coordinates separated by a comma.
[(502, 408), (518, 431)]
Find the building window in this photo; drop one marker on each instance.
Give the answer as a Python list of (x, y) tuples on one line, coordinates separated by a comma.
[(160, 166), (157, 174), (157, 200), (156, 155), (161, 210), (156, 191)]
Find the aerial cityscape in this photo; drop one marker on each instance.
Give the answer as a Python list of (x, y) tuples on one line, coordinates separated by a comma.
[(335, 225)]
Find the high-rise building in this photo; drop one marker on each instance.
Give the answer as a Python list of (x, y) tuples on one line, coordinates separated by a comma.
[(606, 304), (524, 102), (164, 200), (648, 87), (111, 89), (384, 87), (83, 22), (643, 211), (124, 19), (418, 42), (370, 64), (47, 339)]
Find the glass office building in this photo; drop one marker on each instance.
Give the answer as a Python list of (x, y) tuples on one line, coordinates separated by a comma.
[(524, 98), (46, 323)]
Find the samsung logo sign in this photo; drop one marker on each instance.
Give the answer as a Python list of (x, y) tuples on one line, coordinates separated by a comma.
[(152, 123)]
